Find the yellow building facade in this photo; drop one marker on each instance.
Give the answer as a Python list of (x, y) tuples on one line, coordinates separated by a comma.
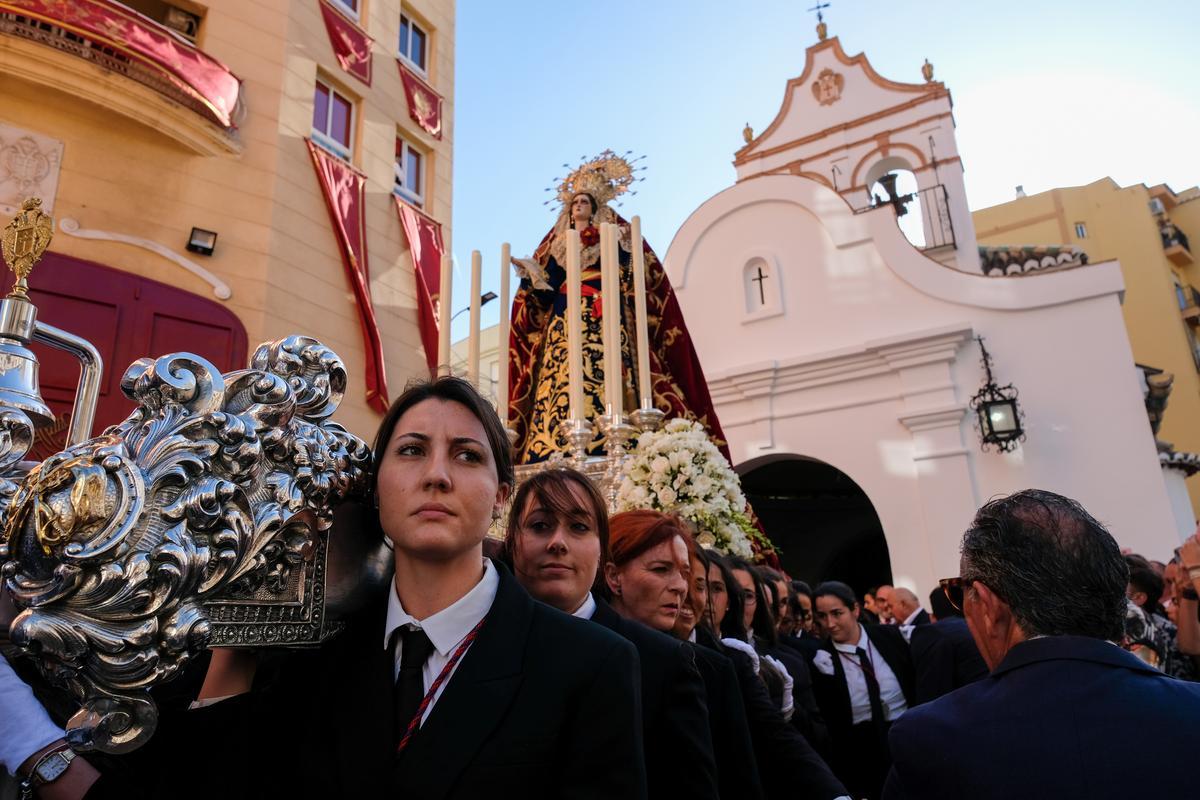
[(1150, 230), (130, 158)]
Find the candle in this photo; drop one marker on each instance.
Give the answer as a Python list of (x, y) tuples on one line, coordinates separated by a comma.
[(444, 292), (609, 297), (473, 336), (574, 326), (643, 323), (502, 338)]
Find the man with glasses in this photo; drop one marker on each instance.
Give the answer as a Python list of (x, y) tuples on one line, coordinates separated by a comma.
[(1065, 711)]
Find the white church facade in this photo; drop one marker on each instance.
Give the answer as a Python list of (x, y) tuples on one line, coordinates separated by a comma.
[(829, 339)]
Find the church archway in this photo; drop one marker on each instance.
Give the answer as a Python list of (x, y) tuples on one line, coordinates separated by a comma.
[(821, 520)]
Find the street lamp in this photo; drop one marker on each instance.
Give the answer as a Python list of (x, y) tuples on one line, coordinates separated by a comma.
[(484, 299), (997, 410)]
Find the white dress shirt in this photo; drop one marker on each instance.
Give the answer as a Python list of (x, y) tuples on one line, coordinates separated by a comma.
[(446, 629), (907, 626), (25, 727), (586, 609), (890, 693)]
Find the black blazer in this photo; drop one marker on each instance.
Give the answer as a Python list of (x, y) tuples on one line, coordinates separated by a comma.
[(787, 764), (737, 770), (542, 705), (833, 695), (679, 749), (806, 717), (945, 657), (922, 618), (1061, 716)]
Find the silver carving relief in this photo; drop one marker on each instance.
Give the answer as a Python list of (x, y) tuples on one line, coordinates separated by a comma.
[(203, 519)]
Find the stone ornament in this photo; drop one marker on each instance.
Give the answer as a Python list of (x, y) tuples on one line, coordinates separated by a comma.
[(827, 88), (201, 519)]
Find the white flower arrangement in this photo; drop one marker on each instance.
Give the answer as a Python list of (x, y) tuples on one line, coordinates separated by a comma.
[(678, 470)]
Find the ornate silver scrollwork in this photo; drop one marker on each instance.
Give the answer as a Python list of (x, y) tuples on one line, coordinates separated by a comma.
[(200, 520)]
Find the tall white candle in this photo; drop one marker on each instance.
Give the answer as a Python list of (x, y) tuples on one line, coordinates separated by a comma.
[(643, 324), (473, 336), (502, 339), (610, 293), (574, 326), (444, 298)]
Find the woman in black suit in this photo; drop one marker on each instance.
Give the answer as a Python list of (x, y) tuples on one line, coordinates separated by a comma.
[(863, 679), (557, 539)]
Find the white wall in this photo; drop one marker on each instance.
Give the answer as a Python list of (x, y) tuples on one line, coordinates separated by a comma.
[(871, 363)]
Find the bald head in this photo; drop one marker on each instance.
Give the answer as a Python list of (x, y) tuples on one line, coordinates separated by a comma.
[(904, 603)]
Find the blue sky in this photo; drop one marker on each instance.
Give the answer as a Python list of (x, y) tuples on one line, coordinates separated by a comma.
[(1046, 94)]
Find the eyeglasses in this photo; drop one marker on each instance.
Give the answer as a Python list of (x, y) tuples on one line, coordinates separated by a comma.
[(954, 589), (749, 597)]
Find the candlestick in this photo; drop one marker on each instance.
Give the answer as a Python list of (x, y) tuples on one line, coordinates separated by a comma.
[(574, 326), (445, 289), (643, 323), (502, 337), (473, 336)]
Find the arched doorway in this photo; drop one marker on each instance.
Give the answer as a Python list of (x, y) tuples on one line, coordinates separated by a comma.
[(820, 519)]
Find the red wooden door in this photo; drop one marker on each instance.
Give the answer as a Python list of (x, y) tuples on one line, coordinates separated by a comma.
[(126, 317)]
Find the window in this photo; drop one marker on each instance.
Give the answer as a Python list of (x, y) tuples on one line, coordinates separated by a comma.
[(184, 19), (414, 42), (410, 172), (333, 119), (348, 6), (1080, 230)]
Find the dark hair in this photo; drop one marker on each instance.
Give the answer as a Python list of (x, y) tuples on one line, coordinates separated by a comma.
[(591, 199), (632, 533), (1144, 578), (797, 588), (1057, 568), (731, 624), (763, 622), (940, 605), (836, 589), (455, 390), (553, 489)]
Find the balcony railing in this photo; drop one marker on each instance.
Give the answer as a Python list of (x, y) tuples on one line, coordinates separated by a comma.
[(120, 40), (934, 209), (1175, 244)]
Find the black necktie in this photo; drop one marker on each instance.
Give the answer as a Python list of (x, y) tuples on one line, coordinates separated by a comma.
[(868, 671), (410, 683)]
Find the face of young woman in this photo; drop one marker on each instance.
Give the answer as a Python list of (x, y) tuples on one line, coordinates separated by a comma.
[(840, 622), (749, 596), (696, 602), (556, 555), (437, 482), (717, 592), (651, 587), (804, 620), (581, 210)]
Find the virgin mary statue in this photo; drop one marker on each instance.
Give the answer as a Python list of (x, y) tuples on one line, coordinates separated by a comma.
[(538, 393)]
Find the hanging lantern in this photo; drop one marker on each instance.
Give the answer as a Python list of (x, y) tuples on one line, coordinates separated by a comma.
[(997, 409)]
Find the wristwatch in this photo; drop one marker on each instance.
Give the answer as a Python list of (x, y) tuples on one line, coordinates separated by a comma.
[(47, 770)]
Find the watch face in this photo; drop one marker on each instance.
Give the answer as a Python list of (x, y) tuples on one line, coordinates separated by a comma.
[(53, 767)]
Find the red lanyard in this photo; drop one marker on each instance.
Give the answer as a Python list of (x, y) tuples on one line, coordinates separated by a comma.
[(415, 723)]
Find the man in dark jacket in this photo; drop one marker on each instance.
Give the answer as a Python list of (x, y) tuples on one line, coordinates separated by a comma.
[(1065, 711), (943, 652)]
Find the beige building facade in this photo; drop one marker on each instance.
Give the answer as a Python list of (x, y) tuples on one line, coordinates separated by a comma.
[(129, 161)]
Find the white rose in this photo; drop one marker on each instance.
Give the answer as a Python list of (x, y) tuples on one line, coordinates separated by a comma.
[(706, 539), (666, 496), (659, 465)]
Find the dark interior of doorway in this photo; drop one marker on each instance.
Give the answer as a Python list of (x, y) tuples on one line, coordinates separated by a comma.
[(821, 520)]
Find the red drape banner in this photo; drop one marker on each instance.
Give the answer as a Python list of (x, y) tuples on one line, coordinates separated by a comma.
[(425, 243), (424, 104), (140, 38), (350, 43), (344, 189)]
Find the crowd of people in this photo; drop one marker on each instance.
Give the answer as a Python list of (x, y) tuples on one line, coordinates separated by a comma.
[(597, 656)]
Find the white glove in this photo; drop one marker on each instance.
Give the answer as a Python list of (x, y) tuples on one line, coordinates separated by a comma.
[(745, 647), (789, 703), (25, 727)]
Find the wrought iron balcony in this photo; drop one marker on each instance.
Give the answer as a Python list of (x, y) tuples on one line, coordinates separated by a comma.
[(932, 205), (119, 40), (1175, 244)]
